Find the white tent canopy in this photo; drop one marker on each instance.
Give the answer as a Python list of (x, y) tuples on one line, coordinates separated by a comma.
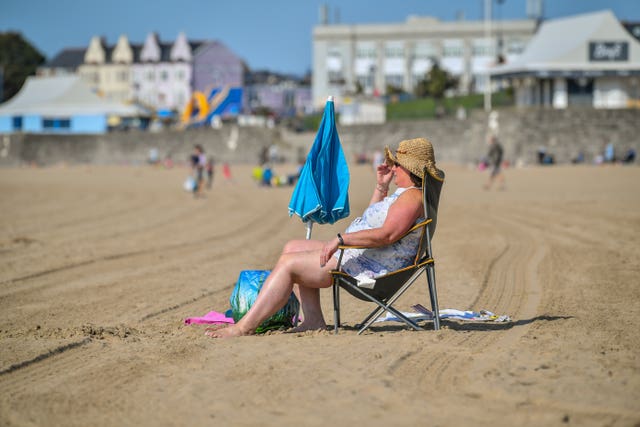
[(63, 96), (566, 47)]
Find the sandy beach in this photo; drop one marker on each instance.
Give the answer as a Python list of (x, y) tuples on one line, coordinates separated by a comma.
[(100, 265)]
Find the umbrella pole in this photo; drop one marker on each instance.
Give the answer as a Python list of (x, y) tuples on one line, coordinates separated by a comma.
[(296, 317), (309, 228)]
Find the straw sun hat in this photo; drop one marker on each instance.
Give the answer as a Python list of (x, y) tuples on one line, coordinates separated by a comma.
[(414, 155)]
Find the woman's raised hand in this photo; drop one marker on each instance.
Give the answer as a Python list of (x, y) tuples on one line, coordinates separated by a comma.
[(384, 175)]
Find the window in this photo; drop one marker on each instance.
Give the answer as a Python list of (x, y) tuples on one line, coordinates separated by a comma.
[(336, 78), (17, 122), (394, 80), (394, 50), (453, 48), (366, 51), (90, 77), (482, 47), (425, 50), (164, 75), (151, 76), (56, 124), (334, 67), (515, 46)]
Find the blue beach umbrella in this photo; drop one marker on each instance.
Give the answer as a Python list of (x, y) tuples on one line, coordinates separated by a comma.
[(321, 194)]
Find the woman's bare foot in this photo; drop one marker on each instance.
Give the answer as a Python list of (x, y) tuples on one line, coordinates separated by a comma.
[(228, 331), (308, 326), (216, 326)]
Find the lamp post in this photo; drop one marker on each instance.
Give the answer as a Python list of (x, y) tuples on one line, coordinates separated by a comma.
[(500, 39), (487, 35)]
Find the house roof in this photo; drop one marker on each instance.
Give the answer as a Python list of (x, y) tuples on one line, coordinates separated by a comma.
[(62, 96), (562, 46), (68, 58)]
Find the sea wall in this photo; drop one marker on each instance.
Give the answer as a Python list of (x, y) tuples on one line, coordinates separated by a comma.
[(562, 133)]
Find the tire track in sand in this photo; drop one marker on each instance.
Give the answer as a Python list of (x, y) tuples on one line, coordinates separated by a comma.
[(510, 286), (261, 238), (261, 232)]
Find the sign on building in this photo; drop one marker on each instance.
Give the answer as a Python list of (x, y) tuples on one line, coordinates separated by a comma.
[(608, 51)]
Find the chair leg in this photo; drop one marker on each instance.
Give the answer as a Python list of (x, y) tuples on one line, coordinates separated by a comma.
[(431, 280), (336, 307), (386, 305), (377, 312), (396, 313)]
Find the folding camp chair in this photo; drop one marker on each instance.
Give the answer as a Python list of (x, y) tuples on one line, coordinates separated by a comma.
[(386, 289)]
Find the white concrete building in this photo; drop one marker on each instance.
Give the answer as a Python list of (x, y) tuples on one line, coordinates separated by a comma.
[(583, 60), (373, 56)]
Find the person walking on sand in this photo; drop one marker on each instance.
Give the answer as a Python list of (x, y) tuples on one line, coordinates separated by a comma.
[(198, 163), (226, 172), (304, 266), (210, 168), (495, 162)]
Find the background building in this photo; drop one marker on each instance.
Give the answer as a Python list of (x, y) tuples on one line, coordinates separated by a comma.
[(349, 58), (161, 73), (62, 104), (158, 75), (598, 66)]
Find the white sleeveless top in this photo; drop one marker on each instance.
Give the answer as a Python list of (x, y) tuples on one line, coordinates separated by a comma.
[(376, 262)]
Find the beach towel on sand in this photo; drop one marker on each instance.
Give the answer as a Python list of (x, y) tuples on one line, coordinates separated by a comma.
[(212, 317), (423, 313)]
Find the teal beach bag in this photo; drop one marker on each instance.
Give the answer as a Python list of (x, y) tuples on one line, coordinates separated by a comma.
[(245, 293)]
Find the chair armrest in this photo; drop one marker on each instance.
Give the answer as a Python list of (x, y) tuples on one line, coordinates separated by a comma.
[(412, 229), (342, 248), (418, 225)]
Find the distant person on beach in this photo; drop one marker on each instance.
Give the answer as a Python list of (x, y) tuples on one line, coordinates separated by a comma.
[(609, 153), (630, 156), (264, 155), (210, 169), (267, 175), (494, 157), (154, 156), (304, 266), (541, 154), (579, 158), (226, 172), (198, 164)]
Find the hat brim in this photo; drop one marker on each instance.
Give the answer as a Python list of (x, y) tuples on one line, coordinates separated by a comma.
[(389, 158)]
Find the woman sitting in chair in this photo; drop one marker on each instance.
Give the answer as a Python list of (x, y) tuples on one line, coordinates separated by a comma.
[(305, 265)]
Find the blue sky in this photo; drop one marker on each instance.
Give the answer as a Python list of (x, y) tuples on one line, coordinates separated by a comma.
[(267, 34)]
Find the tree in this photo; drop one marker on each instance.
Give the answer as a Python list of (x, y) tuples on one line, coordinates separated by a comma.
[(18, 60), (436, 82)]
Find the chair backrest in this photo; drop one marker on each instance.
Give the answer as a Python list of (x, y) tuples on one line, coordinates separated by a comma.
[(390, 283), (431, 188)]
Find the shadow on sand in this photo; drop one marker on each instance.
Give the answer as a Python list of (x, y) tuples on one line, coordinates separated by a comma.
[(458, 325)]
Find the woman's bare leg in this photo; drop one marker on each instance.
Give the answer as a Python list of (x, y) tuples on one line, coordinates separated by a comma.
[(311, 313), (310, 303), (294, 266)]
